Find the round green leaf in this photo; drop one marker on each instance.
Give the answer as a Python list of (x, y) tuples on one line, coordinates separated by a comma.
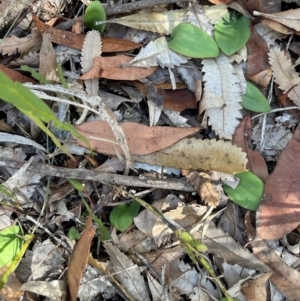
[(73, 234), (191, 41), (95, 12), (248, 193), (10, 244), (232, 32), (122, 216), (254, 100)]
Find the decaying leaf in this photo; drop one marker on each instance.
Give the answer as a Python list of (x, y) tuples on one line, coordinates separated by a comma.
[(162, 23), (196, 154), (91, 48), (110, 67), (48, 63), (141, 139), (157, 53), (79, 259), (128, 273), (202, 184), (222, 95), (280, 209), (15, 45), (285, 74), (289, 18)]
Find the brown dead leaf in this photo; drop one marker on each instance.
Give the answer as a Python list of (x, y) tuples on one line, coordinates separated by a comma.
[(277, 26), (79, 258), (257, 50), (141, 139), (16, 76), (280, 210), (67, 38), (285, 74), (289, 18), (196, 154), (242, 138), (14, 45), (179, 100), (110, 67), (202, 184), (48, 63)]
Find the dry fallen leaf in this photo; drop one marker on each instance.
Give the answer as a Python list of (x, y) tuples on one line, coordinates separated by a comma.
[(280, 210), (285, 74), (289, 18), (202, 184), (196, 154), (141, 139), (14, 45), (79, 258), (16, 76), (242, 136), (110, 67)]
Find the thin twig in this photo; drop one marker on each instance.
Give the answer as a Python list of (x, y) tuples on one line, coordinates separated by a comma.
[(96, 176), (132, 6)]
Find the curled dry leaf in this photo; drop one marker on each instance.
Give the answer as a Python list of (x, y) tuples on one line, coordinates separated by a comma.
[(196, 154), (79, 259), (285, 74), (289, 18), (141, 139), (280, 209), (202, 184), (14, 45), (110, 67)]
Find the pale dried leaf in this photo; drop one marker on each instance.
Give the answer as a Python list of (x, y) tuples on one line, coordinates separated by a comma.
[(196, 154), (197, 17), (156, 288), (222, 95), (157, 53), (48, 63), (163, 23), (289, 18), (31, 59), (215, 12), (56, 289), (14, 45), (128, 273), (224, 246), (190, 74), (285, 74), (92, 47)]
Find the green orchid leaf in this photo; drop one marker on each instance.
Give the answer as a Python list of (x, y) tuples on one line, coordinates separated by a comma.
[(191, 41), (248, 193), (41, 79), (10, 244), (254, 100), (35, 109), (73, 234), (232, 33), (93, 13), (122, 216)]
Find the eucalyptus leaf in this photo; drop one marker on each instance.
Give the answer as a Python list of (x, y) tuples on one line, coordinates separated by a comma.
[(10, 244), (122, 215), (254, 100), (248, 193), (95, 13), (191, 41), (232, 32)]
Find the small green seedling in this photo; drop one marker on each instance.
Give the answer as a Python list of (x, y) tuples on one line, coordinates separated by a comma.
[(122, 215), (232, 32), (73, 234), (193, 42), (95, 13), (248, 194), (254, 100)]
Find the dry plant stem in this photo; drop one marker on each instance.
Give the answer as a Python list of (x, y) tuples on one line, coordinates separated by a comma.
[(129, 7), (96, 176)]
